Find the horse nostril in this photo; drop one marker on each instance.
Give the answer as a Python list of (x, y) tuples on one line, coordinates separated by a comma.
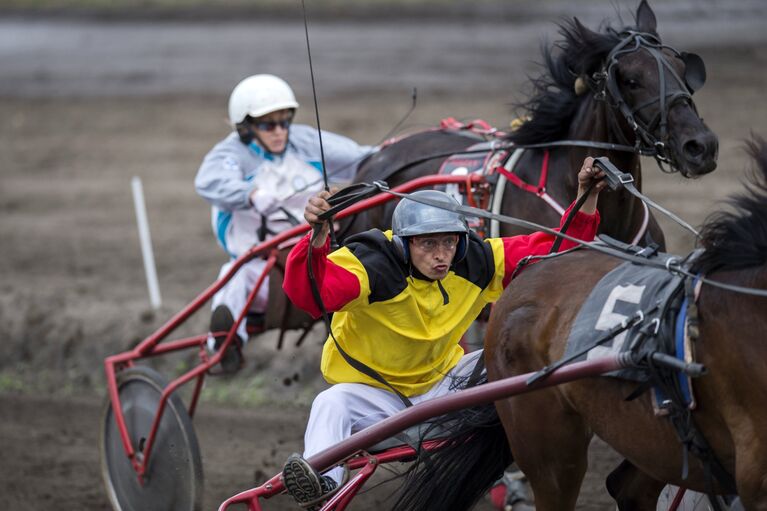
[(693, 149)]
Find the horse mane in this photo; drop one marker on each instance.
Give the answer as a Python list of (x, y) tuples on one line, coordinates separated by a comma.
[(553, 102), (737, 238)]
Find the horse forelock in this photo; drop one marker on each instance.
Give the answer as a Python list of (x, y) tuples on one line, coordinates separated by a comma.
[(737, 238), (553, 102)]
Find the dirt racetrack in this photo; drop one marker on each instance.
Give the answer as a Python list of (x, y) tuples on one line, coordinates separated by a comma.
[(87, 103)]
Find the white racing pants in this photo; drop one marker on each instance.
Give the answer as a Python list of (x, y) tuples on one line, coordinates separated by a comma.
[(235, 293), (240, 236), (346, 408)]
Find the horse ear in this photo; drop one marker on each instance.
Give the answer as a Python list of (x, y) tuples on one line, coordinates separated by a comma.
[(583, 31), (646, 21), (694, 71)]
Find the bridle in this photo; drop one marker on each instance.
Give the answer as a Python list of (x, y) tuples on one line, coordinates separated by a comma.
[(651, 135)]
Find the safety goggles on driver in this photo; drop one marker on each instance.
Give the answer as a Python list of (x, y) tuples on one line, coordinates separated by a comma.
[(434, 243), (272, 125)]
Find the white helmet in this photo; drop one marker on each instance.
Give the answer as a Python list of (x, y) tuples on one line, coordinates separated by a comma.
[(259, 95)]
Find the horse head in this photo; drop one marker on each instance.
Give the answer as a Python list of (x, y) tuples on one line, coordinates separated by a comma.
[(636, 89), (649, 86)]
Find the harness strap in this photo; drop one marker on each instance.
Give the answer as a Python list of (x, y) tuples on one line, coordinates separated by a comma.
[(539, 190), (627, 323), (500, 186), (642, 228), (478, 126), (605, 85), (535, 258), (681, 417)]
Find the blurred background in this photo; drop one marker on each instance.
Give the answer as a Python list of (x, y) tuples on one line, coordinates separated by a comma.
[(94, 92)]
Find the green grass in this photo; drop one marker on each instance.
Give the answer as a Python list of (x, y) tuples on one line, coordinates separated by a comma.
[(252, 391), (11, 383)]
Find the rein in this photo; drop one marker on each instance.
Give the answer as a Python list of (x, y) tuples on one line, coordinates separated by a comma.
[(618, 179), (673, 265), (493, 146)]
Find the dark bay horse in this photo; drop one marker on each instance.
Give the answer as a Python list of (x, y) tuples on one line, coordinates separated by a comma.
[(620, 87), (549, 430)]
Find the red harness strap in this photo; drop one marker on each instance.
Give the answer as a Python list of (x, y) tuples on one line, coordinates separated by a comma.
[(476, 126), (539, 190)]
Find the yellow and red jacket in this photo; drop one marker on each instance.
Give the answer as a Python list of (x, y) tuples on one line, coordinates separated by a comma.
[(404, 327)]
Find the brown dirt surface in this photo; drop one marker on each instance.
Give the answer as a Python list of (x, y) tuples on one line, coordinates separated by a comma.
[(86, 105)]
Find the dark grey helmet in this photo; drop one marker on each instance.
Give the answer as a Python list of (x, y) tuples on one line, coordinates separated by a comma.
[(412, 218)]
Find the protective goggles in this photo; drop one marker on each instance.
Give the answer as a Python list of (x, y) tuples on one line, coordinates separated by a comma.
[(433, 243), (272, 125)]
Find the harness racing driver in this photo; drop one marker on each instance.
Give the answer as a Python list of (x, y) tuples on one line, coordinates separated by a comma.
[(257, 181), (402, 299)]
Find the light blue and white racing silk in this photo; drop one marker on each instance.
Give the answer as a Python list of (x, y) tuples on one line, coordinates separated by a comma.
[(232, 170)]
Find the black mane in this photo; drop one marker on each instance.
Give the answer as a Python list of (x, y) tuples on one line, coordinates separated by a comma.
[(553, 102), (737, 239)]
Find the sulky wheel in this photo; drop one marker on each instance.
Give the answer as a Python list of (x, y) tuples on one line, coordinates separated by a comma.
[(173, 480)]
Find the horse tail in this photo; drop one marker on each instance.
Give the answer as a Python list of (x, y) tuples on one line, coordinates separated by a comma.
[(457, 474)]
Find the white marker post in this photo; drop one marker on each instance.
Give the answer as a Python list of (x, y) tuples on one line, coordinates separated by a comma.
[(146, 243)]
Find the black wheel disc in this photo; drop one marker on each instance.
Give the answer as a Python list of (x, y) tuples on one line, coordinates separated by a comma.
[(173, 481)]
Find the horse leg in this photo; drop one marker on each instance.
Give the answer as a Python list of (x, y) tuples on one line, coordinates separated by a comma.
[(632, 489), (751, 479), (549, 445)]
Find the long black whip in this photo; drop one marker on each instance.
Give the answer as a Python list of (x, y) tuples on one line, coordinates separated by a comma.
[(314, 93), (356, 364)]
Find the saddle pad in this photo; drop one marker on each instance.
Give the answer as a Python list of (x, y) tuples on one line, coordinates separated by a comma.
[(483, 158), (619, 295)]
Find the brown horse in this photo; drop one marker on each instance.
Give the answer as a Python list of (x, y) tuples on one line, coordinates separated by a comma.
[(549, 430), (619, 87)]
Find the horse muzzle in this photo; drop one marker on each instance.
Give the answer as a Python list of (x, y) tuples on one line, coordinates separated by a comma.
[(694, 150)]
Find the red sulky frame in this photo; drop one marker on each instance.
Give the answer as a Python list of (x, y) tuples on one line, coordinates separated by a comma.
[(151, 347), (352, 451)]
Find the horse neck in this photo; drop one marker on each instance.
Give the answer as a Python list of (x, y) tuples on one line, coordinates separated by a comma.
[(731, 343), (621, 213)]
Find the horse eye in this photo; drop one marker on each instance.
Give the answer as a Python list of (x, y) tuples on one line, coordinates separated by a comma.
[(632, 84)]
